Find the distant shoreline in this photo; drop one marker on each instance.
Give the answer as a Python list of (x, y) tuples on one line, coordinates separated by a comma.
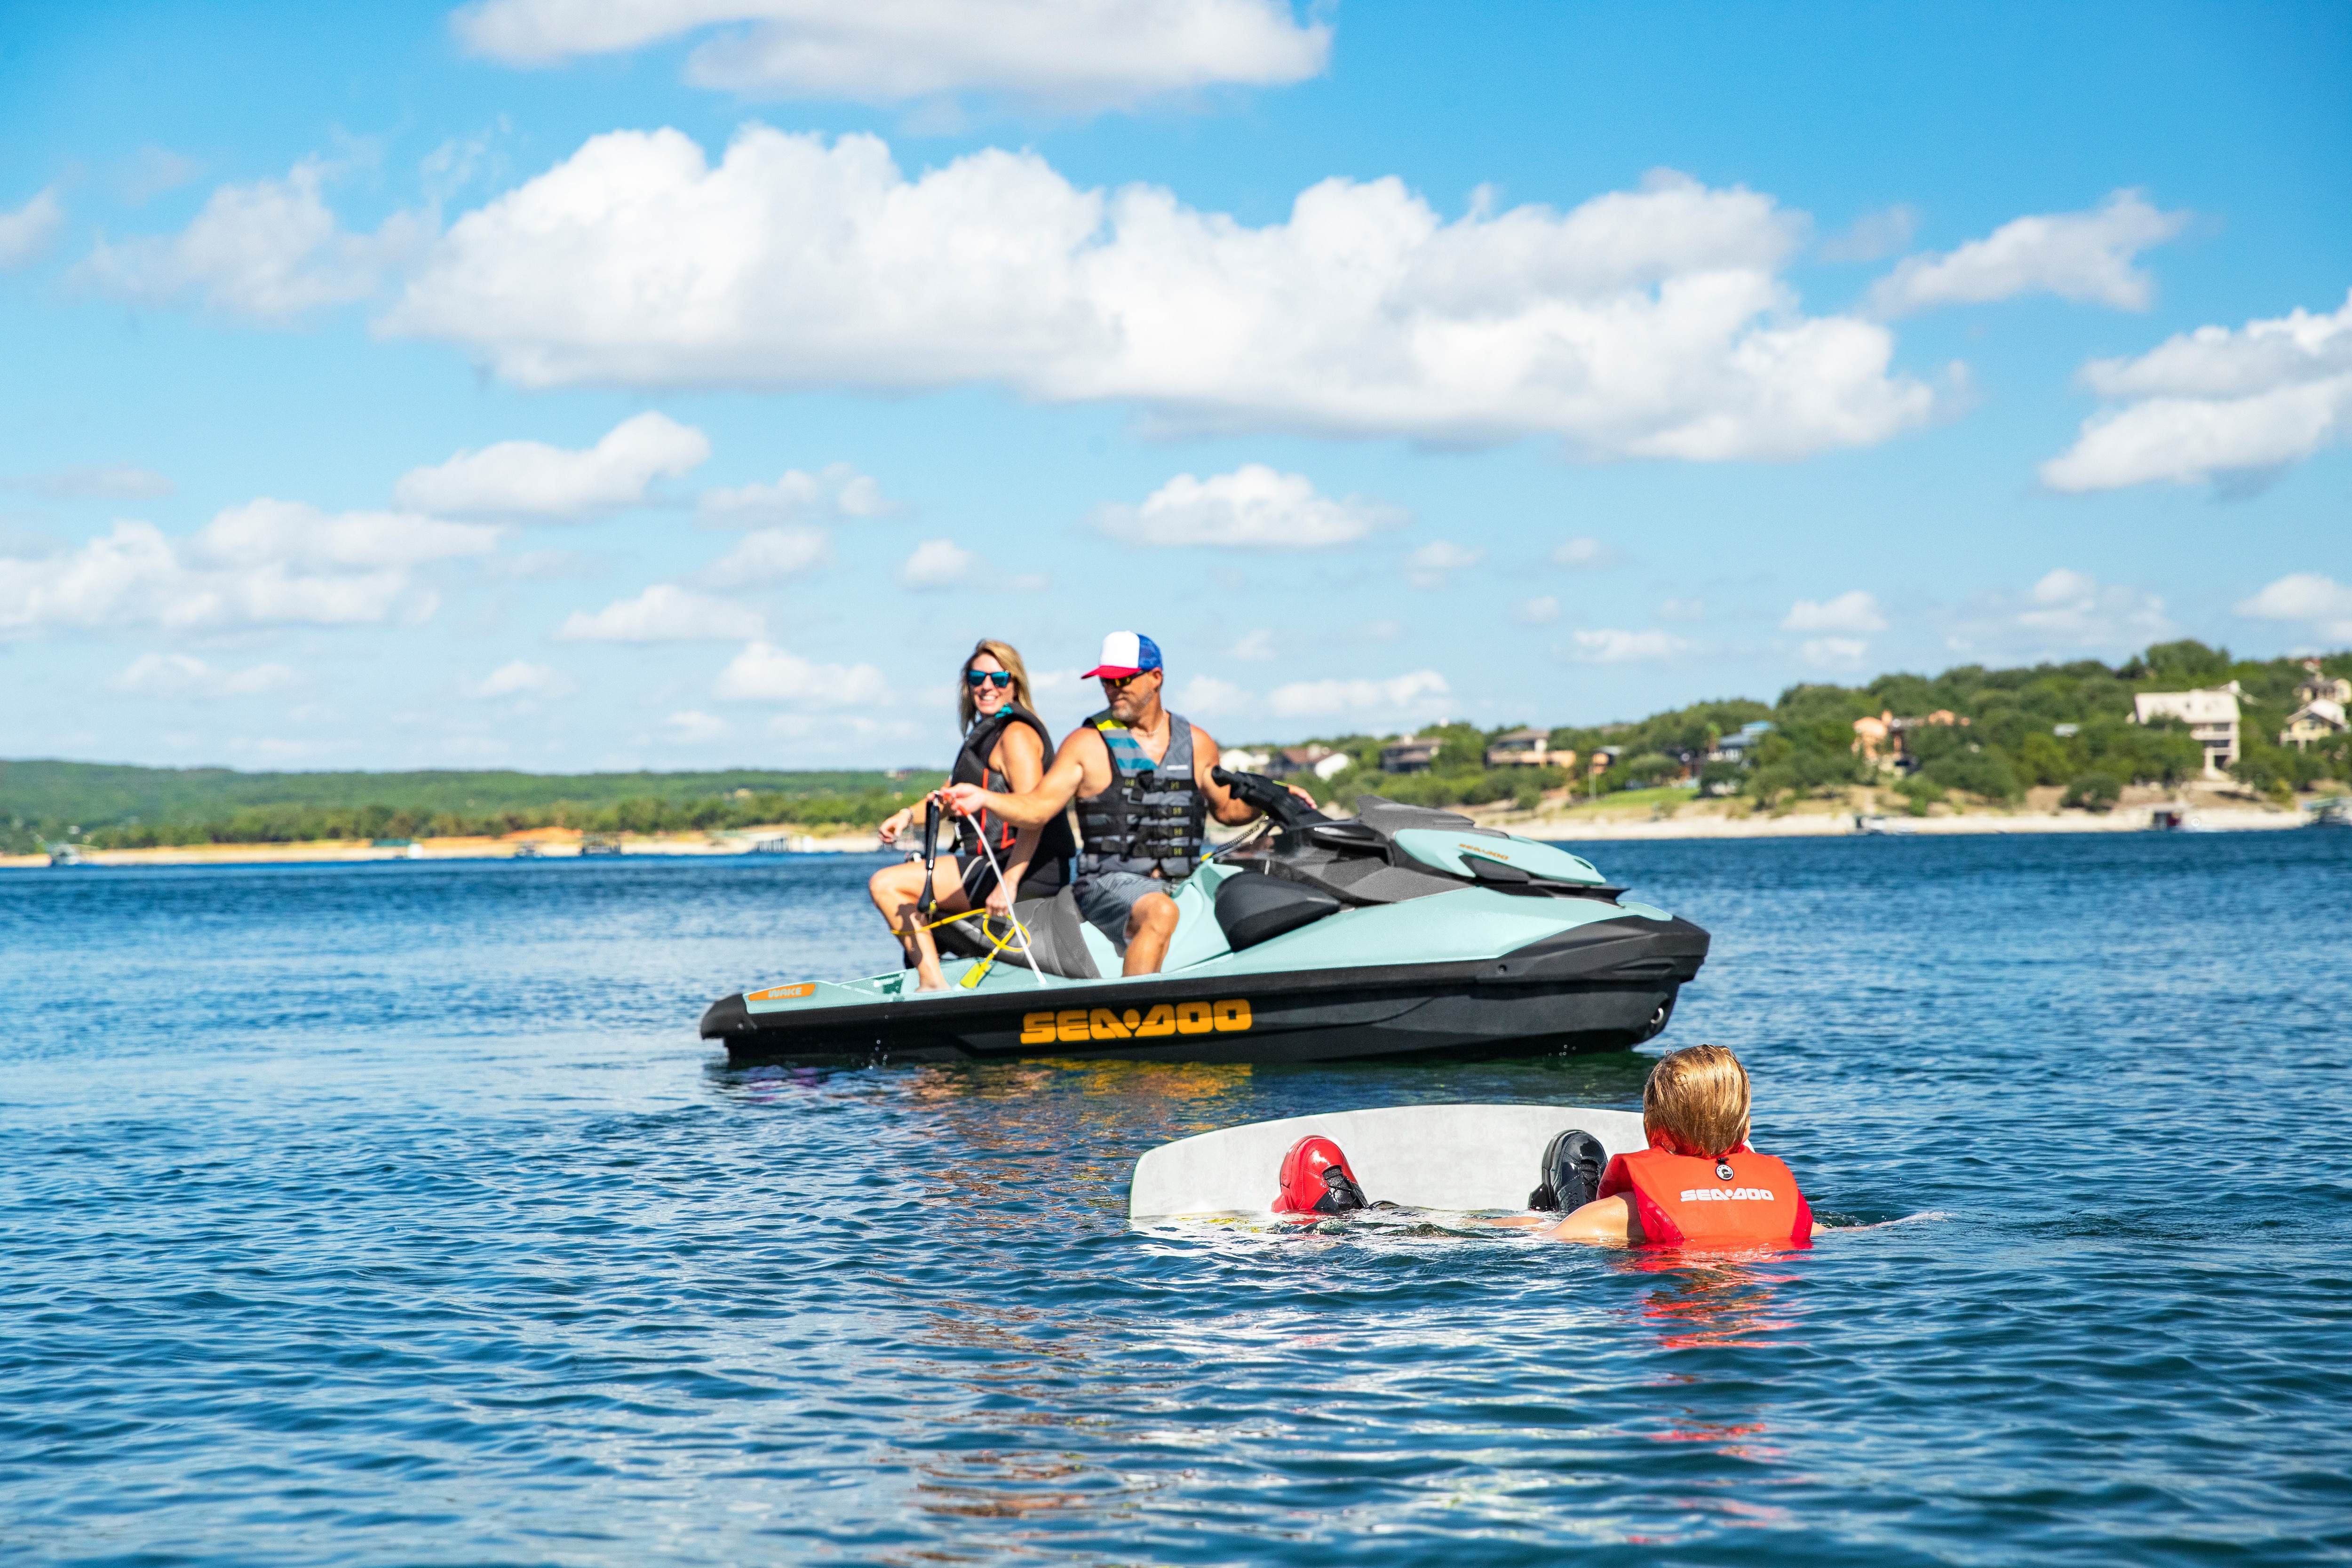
[(1586, 823)]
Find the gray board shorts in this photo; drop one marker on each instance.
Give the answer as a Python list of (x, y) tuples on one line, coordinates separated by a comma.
[(1106, 897)]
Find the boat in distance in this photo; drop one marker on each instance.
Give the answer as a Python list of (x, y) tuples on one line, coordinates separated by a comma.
[(1403, 932)]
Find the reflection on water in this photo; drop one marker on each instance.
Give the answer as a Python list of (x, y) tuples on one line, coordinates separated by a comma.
[(413, 1224)]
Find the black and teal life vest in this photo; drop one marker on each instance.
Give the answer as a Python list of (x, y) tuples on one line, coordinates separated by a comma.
[(1154, 817), (971, 766)]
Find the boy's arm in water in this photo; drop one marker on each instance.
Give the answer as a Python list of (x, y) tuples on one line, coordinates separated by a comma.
[(1610, 1222), (1607, 1222)]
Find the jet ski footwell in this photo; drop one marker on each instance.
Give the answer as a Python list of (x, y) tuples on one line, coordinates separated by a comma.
[(1406, 933)]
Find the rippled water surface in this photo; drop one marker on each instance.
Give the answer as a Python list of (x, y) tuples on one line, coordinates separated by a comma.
[(394, 1214)]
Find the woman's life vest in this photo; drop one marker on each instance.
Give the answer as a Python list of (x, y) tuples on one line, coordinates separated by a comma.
[(972, 765), (1154, 817), (1315, 1179), (1738, 1199)]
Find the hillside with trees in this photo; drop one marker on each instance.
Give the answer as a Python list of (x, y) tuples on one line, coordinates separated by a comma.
[(2011, 742), (113, 807), (2067, 725)]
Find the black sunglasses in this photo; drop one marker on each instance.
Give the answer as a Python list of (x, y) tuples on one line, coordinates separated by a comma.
[(976, 678), (1116, 681)]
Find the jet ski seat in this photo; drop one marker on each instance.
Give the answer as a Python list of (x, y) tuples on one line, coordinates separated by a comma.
[(1253, 907), (1057, 935)]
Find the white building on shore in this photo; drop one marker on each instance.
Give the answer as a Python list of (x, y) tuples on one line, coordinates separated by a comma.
[(2210, 713)]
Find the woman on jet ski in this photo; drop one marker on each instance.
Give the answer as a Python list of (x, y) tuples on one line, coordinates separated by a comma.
[(1005, 748)]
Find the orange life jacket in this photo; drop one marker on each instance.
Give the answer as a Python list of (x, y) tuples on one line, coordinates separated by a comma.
[(1738, 1199)]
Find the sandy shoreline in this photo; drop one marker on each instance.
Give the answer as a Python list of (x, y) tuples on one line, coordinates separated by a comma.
[(2207, 811)]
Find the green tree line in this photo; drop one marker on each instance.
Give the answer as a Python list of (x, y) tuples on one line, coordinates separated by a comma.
[(2009, 744), (412, 805)]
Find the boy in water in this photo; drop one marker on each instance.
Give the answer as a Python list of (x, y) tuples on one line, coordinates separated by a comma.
[(1698, 1182)]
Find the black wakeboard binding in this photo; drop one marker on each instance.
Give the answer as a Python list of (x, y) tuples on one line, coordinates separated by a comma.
[(1572, 1163)]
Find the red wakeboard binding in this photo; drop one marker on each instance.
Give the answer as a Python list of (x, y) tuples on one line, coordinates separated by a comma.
[(1315, 1180)]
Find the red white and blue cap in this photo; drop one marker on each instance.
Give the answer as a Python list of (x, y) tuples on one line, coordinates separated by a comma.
[(1126, 653)]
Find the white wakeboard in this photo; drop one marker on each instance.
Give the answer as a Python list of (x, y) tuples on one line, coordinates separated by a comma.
[(1459, 1157)]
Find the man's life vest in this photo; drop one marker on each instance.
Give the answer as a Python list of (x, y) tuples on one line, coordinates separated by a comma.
[(1738, 1199), (1315, 1179), (1154, 817)]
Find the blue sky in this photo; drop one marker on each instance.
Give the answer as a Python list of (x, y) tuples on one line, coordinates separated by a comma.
[(562, 386)]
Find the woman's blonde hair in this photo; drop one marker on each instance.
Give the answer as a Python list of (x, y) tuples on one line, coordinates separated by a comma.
[(1699, 1094), (1004, 653)]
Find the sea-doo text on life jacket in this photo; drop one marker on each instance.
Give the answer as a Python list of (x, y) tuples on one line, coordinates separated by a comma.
[(971, 766), (1741, 1198), (1154, 817)]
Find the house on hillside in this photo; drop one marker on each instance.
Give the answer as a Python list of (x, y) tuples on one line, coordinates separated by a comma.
[(1293, 760), (2210, 713), (1526, 749), (1885, 740), (1735, 747), (1409, 754), (2317, 686), (2320, 719)]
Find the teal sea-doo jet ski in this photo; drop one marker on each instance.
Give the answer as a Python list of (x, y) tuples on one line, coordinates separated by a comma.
[(1401, 931)]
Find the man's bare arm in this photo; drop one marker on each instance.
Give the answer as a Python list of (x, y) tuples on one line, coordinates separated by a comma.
[(1224, 804), (1036, 807)]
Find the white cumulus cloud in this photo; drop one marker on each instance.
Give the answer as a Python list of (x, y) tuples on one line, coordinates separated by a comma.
[(1853, 612), (2086, 256), (2230, 405), (2320, 601), (1399, 696), (763, 672), (2065, 612), (1834, 653), (265, 563), (530, 479), (1539, 611), (180, 675), (1615, 646), (938, 564), (1253, 508), (693, 726), (267, 251), (1253, 646), (1584, 553), (26, 233), (1433, 565), (520, 678), (1642, 324), (1062, 54), (664, 613), (770, 555), (835, 490)]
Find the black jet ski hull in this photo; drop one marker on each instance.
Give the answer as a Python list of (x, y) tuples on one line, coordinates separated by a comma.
[(1605, 987)]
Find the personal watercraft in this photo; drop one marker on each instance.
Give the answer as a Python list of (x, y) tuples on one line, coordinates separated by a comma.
[(1401, 931)]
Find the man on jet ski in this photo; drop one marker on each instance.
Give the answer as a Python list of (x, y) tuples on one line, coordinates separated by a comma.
[(1140, 776)]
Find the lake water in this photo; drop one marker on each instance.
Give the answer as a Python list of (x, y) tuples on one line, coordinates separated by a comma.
[(395, 1214)]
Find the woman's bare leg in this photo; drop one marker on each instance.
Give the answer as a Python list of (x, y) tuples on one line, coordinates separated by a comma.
[(897, 892)]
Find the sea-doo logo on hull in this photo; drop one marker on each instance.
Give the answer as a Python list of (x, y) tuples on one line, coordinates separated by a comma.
[(1073, 1025), (784, 992)]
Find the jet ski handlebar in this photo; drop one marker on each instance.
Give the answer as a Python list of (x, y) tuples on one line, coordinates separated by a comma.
[(1255, 789)]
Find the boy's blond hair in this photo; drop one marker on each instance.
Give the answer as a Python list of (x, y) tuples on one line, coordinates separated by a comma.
[(1699, 1094)]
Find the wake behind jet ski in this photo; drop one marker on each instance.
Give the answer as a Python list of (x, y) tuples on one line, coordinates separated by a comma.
[(1402, 932)]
